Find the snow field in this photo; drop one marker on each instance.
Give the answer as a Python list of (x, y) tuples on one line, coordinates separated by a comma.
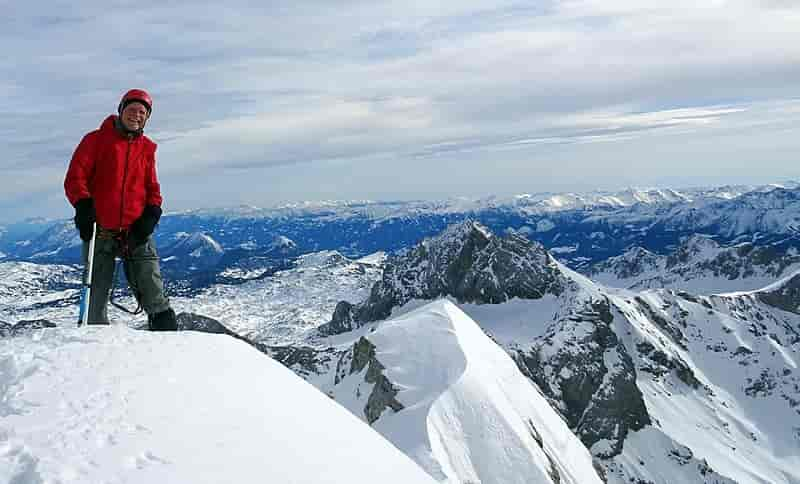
[(115, 405)]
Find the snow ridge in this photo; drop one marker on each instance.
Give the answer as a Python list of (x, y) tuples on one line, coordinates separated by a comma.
[(468, 414)]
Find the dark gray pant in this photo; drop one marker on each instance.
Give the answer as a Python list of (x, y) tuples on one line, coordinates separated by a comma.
[(143, 275)]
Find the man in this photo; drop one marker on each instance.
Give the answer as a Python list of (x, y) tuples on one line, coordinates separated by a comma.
[(112, 181)]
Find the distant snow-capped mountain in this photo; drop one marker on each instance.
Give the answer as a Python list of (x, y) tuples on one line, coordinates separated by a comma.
[(531, 203), (544, 203), (59, 242), (191, 253), (699, 265), (581, 228)]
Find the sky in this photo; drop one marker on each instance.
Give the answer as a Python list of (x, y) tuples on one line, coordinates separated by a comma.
[(386, 100)]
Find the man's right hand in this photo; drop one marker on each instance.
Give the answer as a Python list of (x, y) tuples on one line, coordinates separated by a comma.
[(85, 216)]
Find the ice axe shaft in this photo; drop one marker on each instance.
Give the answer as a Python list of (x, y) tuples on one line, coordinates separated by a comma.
[(86, 290)]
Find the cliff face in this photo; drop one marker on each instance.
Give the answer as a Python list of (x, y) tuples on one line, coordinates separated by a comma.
[(466, 262)]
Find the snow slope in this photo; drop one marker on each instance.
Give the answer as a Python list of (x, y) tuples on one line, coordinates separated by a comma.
[(738, 411), (115, 405), (469, 415)]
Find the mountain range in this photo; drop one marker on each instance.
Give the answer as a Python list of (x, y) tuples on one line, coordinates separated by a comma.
[(655, 383), (580, 229), (493, 356)]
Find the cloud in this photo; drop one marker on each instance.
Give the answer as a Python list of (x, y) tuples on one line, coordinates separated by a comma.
[(248, 88)]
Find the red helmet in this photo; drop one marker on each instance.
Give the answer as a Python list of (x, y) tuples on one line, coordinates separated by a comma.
[(136, 95)]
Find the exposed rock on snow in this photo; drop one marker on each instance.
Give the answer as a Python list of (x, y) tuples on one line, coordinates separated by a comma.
[(24, 327), (583, 367), (783, 295)]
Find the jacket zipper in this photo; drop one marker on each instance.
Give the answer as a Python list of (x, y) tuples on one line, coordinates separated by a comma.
[(124, 179)]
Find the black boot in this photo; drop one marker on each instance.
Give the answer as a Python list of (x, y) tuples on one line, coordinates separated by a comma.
[(163, 321)]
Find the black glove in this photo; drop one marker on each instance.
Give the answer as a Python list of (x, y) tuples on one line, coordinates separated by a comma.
[(143, 227), (85, 216)]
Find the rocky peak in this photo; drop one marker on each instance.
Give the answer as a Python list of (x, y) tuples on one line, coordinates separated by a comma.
[(462, 231), (776, 198), (695, 248), (201, 243), (453, 247), (634, 262), (466, 262), (635, 253)]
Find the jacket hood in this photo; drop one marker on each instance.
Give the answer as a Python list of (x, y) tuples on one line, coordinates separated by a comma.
[(108, 122)]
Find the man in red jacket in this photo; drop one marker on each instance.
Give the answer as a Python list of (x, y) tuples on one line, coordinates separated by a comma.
[(112, 181)]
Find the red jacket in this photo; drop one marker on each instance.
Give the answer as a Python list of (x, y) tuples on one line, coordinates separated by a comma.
[(118, 172)]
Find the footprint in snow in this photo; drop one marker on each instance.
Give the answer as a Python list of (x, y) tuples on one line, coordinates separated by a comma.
[(144, 460)]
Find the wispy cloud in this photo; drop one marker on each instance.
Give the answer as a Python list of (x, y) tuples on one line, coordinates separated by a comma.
[(294, 89)]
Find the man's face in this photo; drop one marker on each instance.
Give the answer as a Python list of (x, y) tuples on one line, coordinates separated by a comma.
[(134, 116)]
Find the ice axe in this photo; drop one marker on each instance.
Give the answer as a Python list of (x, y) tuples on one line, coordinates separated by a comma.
[(86, 291)]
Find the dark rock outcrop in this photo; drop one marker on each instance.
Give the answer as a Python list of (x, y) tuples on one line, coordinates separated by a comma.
[(203, 324), (786, 296), (304, 360), (24, 327), (384, 394), (669, 327), (466, 262), (598, 402), (343, 320)]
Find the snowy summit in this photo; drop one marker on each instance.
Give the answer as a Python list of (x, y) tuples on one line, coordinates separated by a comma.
[(116, 405)]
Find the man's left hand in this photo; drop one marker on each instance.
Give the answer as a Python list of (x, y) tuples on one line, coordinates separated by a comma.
[(144, 226)]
